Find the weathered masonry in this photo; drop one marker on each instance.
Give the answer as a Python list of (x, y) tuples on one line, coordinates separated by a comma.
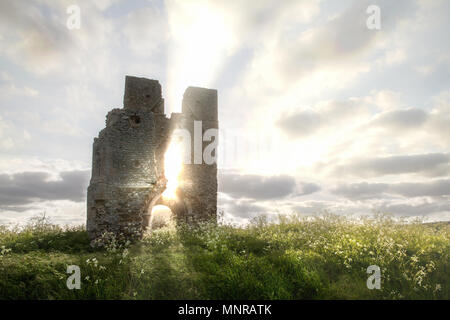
[(128, 161)]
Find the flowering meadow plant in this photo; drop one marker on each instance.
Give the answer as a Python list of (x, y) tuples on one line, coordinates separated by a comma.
[(294, 257)]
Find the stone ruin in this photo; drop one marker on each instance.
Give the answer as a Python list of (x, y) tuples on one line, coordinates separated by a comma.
[(128, 161)]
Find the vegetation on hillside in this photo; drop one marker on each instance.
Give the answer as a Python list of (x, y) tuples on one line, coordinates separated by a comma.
[(297, 258)]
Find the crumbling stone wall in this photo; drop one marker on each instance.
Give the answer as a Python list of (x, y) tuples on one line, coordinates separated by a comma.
[(128, 161), (200, 180)]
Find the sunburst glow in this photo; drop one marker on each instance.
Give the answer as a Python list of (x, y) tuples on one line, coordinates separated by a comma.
[(172, 168), (200, 34)]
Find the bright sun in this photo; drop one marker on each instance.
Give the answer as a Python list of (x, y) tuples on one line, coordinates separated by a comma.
[(172, 168)]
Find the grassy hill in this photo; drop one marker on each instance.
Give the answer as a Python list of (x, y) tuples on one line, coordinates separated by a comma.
[(297, 258)]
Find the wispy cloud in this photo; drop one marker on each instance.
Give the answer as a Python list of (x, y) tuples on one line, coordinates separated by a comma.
[(354, 120)]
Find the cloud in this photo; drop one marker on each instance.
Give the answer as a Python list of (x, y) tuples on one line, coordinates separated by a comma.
[(362, 190), (324, 116), (402, 164), (146, 30), (62, 212), (310, 207), (245, 196), (205, 35), (421, 209), (439, 119), (401, 119), (340, 44), (256, 187), (319, 46), (301, 124), (385, 100), (308, 188), (434, 208), (239, 210), (244, 209), (365, 190), (24, 188), (304, 78), (413, 189), (8, 90), (6, 142), (35, 38)]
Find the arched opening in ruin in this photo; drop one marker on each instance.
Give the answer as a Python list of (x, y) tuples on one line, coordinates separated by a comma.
[(171, 197), (179, 207), (161, 217)]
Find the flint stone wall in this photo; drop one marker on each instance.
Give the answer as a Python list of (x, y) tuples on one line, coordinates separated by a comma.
[(128, 162)]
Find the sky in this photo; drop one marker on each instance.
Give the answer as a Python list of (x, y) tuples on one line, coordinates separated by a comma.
[(318, 113)]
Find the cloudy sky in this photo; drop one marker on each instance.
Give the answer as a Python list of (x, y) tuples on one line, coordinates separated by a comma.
[(317, 112)]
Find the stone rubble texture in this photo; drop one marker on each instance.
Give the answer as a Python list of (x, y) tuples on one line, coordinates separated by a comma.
[(128, 162)]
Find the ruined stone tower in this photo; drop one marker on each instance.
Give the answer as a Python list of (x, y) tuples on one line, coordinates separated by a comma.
[(128, 161)]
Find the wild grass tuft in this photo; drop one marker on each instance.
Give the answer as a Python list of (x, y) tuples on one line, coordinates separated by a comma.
[(298, 257)]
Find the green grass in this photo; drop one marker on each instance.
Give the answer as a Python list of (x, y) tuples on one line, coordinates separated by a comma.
[(296, 258)]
